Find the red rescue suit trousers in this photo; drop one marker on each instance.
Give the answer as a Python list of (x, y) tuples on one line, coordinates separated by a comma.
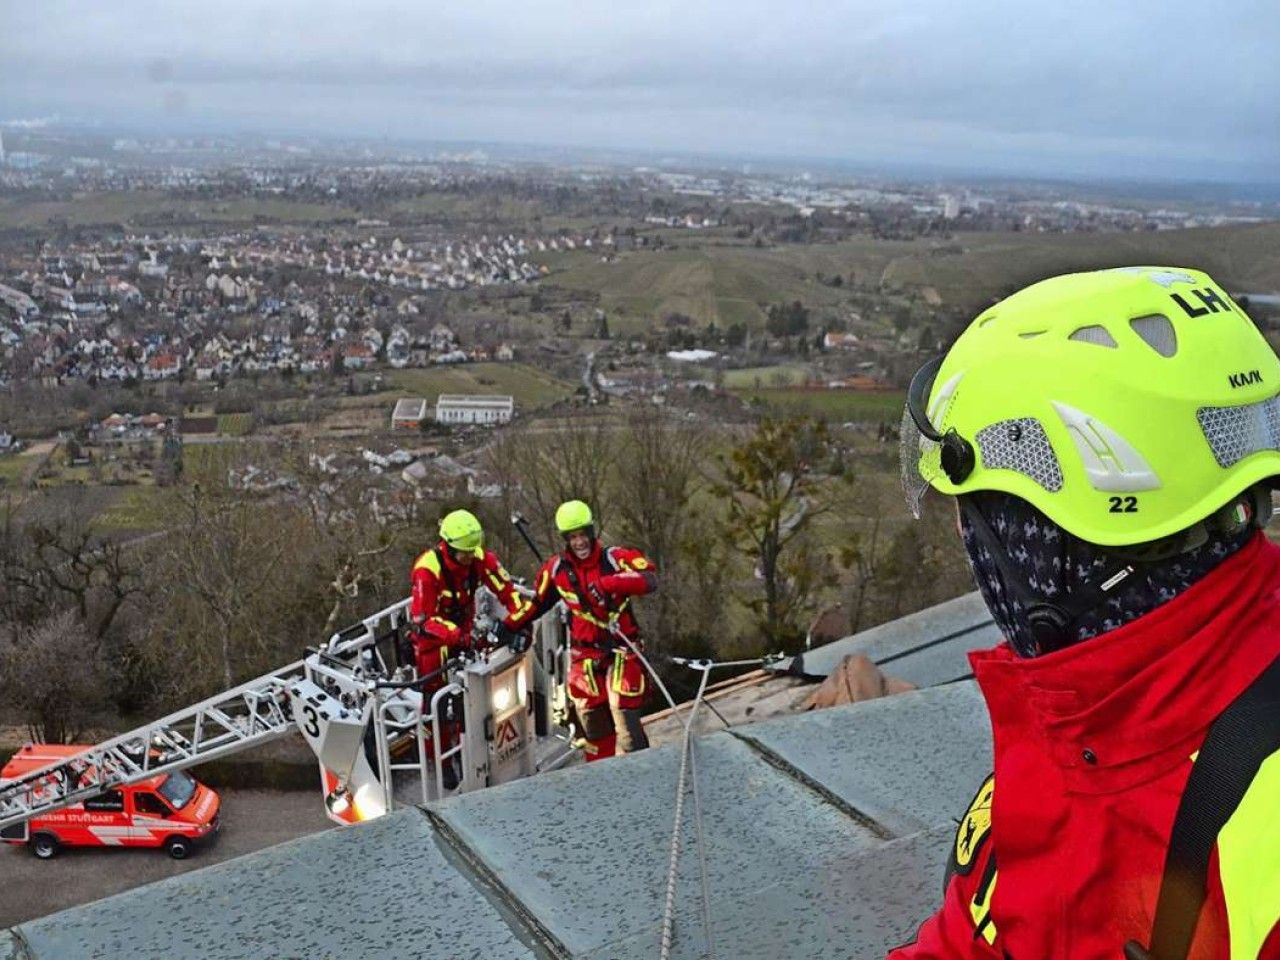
[(608, 689)]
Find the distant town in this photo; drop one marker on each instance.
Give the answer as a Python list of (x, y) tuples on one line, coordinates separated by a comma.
[(164, 292), (346, 292)]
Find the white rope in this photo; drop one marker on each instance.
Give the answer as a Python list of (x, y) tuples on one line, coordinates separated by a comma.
[(667, 936), (697, 819), (688, 762)]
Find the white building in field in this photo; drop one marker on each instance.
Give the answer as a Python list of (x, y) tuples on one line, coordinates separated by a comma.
[(408, 413), (455, 408)]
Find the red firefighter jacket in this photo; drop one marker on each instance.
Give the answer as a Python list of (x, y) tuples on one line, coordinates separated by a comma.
[(597, 591), (443, 598), (1061, 853)]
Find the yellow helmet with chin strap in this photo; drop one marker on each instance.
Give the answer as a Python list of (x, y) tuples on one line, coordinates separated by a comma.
[(1127, 405)]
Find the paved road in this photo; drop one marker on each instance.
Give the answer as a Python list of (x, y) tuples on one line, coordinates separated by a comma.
[(251, 820)]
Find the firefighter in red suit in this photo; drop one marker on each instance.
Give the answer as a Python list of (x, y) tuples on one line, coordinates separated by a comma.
[(445, 579), (1112, 440), (607, 681)]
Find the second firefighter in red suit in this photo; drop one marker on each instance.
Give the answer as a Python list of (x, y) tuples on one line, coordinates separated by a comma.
[(607, 681)]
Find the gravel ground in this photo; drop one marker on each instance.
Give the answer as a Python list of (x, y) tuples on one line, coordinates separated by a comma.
[(251, 820)]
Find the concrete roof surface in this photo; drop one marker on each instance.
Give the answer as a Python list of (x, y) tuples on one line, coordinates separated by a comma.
[(826, 835)]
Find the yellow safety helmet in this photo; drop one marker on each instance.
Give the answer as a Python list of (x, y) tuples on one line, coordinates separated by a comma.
[(1127, 405), (462, 531), (575, 515)]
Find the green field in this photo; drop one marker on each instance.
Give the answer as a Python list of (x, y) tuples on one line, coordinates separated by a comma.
[(151, 207), (139, 509), (1242, 258), (531, 388), (790, 375), (449, 207), (12, 467), (842, 405), (235, 424), (209, 462)]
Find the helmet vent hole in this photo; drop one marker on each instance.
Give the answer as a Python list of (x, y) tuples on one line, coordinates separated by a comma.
[(1032, 334), (1097, 335), (1157, 332)]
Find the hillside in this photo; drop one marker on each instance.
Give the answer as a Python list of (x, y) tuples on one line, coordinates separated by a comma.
[(1242, 258), (716, 282), (728, 283)]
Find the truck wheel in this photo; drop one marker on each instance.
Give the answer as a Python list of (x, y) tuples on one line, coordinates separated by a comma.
[(178, 847), (45, 845)]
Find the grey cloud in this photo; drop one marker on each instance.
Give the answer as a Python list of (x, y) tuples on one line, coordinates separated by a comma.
[(1046, 83)]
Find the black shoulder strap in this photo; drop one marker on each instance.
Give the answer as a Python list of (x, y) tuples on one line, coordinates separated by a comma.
[(1242, 737), (574, 583), (444, 568), (473, 576), (583, 601), (458, 606)]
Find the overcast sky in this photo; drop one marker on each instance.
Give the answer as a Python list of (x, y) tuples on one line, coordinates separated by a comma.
[(1129, 89)]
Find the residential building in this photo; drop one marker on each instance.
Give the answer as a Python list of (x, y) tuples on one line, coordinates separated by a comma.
[(471, 409), (840, 341), (357, 356), (19, 302), (161, 367)]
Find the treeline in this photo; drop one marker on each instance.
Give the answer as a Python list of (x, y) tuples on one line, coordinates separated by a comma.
[(755, 530)]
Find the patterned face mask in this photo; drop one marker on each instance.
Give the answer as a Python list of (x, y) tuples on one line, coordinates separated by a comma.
[(1055, 564)]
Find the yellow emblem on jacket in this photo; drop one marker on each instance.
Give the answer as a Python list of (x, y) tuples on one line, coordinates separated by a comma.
[(974, 826)]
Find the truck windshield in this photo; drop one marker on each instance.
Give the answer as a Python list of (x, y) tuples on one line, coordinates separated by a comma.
[(178, 788)]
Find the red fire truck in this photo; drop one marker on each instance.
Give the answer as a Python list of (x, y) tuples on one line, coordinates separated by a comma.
[(172, 810)]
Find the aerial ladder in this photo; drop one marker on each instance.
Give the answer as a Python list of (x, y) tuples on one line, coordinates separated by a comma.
[(497, 715)]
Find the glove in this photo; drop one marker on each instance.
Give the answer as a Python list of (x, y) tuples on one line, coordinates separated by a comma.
[(516, 640)]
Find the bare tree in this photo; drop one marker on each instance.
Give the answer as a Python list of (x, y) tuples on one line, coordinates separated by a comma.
[(55, 676), (540, 468), (356, 534), (657, 474), (247, 577), (52, 554), (222, 556), (895, 565)]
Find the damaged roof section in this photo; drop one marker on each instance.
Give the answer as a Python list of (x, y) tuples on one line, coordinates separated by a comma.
[(924, 649)]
